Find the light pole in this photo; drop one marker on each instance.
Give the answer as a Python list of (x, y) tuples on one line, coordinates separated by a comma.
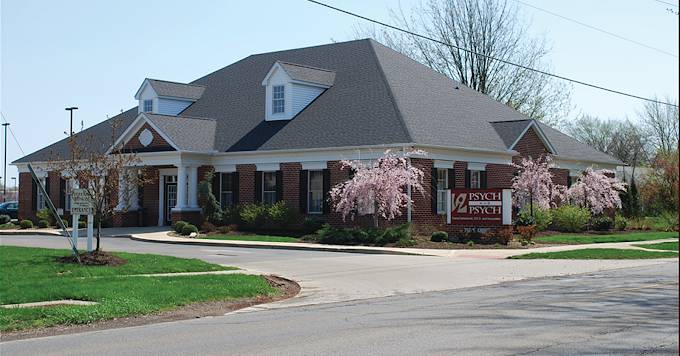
[(70, 133), (4, 167)]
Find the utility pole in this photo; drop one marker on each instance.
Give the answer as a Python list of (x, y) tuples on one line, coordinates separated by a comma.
[(4, 168), (70, 132)]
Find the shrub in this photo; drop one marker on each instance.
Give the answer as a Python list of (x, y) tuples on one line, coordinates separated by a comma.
[(312, 224), (602, 223), (406, 242), (188, 229), (82, 224), (620, 222), (362, 236), (542, 218), (498, 236), (570, 218), (4, 219), (470, 243), (281, 215), (527, 232), (207, 227), (638, 223), (43, 224), (231, 215), (207, 201), (65, 221), (26, 224), (666, 221), (45, 214), (253, 215), (439, 236), (179, 225), (224, 229)]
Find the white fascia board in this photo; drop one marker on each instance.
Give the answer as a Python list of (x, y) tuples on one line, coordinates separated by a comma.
[(271, 72), (311, 84), (314, 165), (540, 133), (579, 166), (225, 168), (476, 166), (141, 88), (268, 167), (438, 163), (134, 127)]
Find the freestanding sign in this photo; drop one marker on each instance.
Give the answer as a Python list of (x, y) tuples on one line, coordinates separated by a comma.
[(81, 204), (480, 207)]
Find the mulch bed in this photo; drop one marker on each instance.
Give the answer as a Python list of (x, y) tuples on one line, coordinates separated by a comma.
[(96, 258), (287, 288)]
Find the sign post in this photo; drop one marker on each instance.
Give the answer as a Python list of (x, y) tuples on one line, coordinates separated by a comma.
[(81, 204)]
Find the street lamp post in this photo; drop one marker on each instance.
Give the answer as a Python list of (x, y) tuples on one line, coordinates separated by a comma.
[(70, 133), (16, 193), (4, 168)]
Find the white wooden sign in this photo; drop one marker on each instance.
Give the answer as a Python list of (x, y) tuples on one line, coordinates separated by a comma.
[(81, 203)]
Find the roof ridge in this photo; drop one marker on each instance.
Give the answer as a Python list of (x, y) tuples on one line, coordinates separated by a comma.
[(516, 120), (308, 47), (389, 90), (182, 116), (306, 66), (172, 82)]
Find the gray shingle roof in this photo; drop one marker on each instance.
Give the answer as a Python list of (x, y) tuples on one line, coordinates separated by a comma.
[(309, 74), (568, 147), (176, 90), (188, 133), (378, 96), (509, 131)]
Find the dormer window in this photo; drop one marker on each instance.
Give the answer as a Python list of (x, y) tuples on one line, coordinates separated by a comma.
[(278, 99), (148, 105)]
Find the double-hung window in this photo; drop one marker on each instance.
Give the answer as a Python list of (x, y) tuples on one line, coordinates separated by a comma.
[(442, 185), (226, 190), (67, 195), (315, 192), (475, 179), (269, 187), (41, 203), (148, 105), (278, 99)]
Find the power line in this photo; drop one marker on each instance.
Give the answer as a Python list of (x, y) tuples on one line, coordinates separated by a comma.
[(491, 57), (12, 133), (598, 29), (667, 3)]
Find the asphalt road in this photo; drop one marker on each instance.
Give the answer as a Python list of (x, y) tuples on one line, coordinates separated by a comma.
[(626, 311), (425, 305)]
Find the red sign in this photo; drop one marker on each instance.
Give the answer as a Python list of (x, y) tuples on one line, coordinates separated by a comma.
[(477, 207)]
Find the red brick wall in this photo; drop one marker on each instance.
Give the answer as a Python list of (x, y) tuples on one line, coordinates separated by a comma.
[(246, 182), (25, 197), (499, 175), (55, 179), (459, 169), (150, 197), (560, 176), (157, 142), (530, 145), (291, 183)]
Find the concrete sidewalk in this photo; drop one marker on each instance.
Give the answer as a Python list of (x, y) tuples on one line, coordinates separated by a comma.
[(163, 237)]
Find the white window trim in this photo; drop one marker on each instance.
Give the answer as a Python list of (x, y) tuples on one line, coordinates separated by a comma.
[(478, 175), (476, 166), (440, 191), (309, 192), (144, 104), (268, 191), (277, 100), (222, 205), (40, 196)]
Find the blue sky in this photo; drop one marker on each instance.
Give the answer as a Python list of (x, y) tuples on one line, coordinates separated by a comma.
[(95, 54)]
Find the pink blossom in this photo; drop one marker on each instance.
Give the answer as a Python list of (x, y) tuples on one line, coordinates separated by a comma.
[(378, 188), (534, 184), (596, 191)]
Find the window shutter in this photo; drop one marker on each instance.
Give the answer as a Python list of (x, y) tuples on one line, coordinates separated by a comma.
[(258, 186), (467, 178), (279, 185), (303, 190), (568, 181), (62, 193), (326, 191), (433, 178), (216, 180), (234, 188), (452, 178), (482, 180), (34, 195)]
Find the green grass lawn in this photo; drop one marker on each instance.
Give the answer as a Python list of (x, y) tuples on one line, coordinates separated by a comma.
[(597, 254), (34, 275), (594, 239), (666, 246), (264, 238)]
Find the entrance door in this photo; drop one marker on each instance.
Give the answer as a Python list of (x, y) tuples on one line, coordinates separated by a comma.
[(170, 197)]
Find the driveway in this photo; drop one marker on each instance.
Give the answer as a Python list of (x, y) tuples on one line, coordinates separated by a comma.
[(328, 277), (622, 312)]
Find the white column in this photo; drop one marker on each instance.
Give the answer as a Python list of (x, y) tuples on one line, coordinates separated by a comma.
[(133, 190), (181, 187), (193, 187), (122, 190), (507, 206)]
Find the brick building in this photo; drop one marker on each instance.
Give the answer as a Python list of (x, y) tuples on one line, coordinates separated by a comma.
[(275, 126)]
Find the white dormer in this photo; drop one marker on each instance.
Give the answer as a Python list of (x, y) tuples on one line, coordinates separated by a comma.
[(290, 87), (166, 98)]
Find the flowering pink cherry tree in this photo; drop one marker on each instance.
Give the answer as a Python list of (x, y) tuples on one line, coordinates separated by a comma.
[(596, 191), (533, 185), (378, 188)]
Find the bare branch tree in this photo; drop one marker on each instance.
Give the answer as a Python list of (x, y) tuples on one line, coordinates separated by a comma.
[(490, 28), (101, 173), (662, 123)]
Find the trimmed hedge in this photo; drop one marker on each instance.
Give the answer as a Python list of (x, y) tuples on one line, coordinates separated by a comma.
[(602, 223), (26, 224), (4, 219), (179, 225), (363, 236), (188, 229), (43, 224), (570, 218), (439, 236)]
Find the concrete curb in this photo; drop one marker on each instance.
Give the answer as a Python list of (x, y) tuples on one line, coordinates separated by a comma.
[(282, 246)]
